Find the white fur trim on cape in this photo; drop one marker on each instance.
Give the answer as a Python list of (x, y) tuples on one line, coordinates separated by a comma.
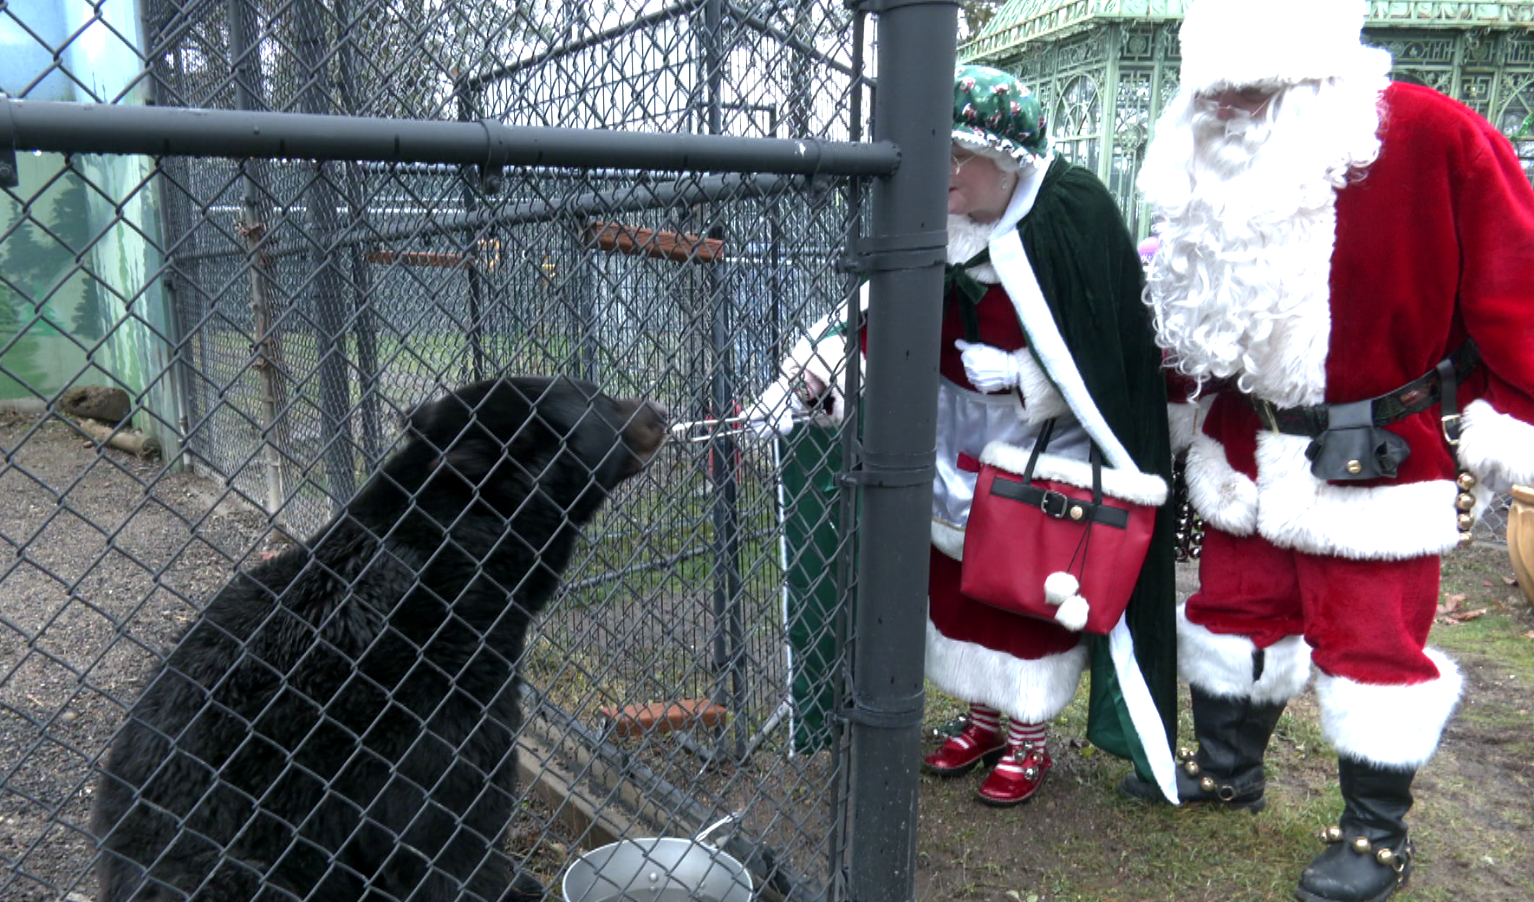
[(948, 539), (1028, 691), (1221, 665), (1391, 726), (1224, 497), (1048, 345), (822, 350), (1384, 523), (1183, 420), (966, 238), (1132, 486), (1497, 448), (1041, 402), (1142, 710)]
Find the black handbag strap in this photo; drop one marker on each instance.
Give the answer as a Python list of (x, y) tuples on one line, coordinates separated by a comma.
[(1093, 455)]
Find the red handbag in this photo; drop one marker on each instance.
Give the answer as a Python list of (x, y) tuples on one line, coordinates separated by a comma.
[(1056, 538)]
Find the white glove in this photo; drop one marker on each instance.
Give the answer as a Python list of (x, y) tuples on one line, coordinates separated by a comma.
[(989, 369), (773, 413)]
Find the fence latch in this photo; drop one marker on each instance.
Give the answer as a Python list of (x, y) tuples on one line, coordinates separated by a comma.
[(889, 714), (888, 253), (891, 470)]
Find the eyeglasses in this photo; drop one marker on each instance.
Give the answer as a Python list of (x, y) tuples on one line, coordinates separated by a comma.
[(956, 161), (1241, 102)]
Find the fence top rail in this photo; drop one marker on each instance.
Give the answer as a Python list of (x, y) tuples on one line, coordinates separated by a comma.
[(175, 131)]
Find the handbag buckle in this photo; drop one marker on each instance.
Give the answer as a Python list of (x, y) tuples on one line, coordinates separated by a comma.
[(1054, 504)]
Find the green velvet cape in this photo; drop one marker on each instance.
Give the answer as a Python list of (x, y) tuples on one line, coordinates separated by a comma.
[(1089, 272)]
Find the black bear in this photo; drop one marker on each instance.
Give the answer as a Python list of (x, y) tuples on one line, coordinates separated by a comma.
[(338, 724)]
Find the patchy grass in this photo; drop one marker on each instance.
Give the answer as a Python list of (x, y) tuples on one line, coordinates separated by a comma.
[(1079, 841)]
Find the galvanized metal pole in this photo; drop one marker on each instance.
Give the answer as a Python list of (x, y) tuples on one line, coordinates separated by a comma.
[(325, 288), (903, 255)]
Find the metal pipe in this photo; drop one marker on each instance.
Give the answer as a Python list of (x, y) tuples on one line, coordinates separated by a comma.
[(171, 131), (903, 256), (630, 198)]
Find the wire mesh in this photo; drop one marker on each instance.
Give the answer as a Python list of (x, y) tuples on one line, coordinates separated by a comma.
[(274, 323)]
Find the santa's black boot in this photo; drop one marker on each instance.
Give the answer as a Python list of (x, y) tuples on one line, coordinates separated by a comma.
[(1368, 855), (1232, 735)]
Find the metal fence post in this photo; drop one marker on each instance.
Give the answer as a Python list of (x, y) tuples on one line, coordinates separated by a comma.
[(329, 320), (904, 256)]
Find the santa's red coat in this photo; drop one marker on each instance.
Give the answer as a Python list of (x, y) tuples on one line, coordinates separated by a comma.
[(1434, 245)]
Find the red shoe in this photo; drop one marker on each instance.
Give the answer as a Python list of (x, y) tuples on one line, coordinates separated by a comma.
[(962, 752), (1017, 778)]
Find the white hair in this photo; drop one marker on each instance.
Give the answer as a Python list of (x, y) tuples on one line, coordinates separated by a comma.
[(1239, 286)]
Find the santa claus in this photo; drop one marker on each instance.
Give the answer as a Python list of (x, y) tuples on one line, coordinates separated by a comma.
[(1346, 271)]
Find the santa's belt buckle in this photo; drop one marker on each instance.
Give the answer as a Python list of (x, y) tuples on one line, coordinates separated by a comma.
[(1054, 504)]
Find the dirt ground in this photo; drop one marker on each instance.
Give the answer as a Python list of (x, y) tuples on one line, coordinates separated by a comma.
[(1078, 840), (108, 559)]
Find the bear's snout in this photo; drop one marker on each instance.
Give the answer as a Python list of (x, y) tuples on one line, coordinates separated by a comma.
[(646, 429)]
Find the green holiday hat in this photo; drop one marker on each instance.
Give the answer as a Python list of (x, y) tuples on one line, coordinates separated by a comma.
[(993, 111)]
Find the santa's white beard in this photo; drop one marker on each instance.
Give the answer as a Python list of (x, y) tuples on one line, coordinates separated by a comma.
[(1239, 287)]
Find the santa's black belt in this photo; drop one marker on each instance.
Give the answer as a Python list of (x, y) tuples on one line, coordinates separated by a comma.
[(1346, 441)]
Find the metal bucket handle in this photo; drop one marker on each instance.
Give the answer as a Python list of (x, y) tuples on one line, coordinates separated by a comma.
[(703, 836)]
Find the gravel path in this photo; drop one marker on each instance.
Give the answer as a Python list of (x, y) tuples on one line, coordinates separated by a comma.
[(104, 559)]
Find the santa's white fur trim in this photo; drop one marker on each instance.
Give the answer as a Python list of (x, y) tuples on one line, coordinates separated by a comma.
[(1497, 448), (1239, 42), (1059, 586), (1072, 613), (948, 539), (1041, 400), (1391, 726), (1029, 691), (1383, 523), (1224, 497), (1221, 665), (1134, 487), (966, 238)]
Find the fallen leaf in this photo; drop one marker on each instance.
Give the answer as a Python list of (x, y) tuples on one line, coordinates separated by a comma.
[(1466, 615), (1485, 582), (1510, 580), (1449, 603)]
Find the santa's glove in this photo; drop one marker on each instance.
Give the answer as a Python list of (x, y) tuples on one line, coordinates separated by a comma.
[(989, 369), (773, 413)]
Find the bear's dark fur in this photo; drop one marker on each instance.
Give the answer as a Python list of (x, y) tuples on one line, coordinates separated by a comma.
[(338, 724)]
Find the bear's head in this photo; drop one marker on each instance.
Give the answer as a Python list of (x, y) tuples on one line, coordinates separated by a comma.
[(532, 441)]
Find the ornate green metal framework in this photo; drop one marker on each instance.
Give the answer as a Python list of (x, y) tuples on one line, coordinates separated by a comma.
[(1105, 68)]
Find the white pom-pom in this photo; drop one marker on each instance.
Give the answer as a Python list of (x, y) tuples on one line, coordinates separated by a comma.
[(1059, 586), (1072, 613)]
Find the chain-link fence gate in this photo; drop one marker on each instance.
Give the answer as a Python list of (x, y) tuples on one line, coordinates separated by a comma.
[(279, 228)]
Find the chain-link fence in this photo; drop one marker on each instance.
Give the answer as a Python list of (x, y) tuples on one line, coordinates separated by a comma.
[(244, 612)]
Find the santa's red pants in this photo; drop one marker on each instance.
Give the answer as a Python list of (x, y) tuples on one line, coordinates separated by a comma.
[(1365, 621)]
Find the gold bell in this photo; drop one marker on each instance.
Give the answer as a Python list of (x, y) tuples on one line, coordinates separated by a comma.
[(1355, 467), (1464, 501), (1466, 522), (1332, 834), (1206, 784), (1385, 857), (1362, 846), (1466, 540), (1466, 482), (1185, 754), (1190, 767)]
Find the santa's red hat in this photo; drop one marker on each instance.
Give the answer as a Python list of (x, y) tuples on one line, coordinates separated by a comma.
[(1242, 42)]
